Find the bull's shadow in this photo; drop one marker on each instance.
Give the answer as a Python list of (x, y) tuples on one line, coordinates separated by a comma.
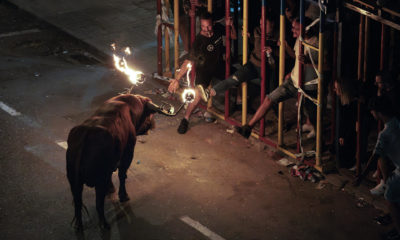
[(124, 224), (132, 227)]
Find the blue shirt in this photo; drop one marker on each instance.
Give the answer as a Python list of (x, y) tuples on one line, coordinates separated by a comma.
[(388, 143)]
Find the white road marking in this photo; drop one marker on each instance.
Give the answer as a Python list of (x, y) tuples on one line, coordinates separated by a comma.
[(9, 110), (10, 34), (199, 227), (62, 144)]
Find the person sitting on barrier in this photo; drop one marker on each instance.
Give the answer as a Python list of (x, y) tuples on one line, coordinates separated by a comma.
[(387, 152), (207, 57), (252, 69), (290, 87)]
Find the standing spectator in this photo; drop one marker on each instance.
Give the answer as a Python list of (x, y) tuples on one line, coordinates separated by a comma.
[(207, 57), (346, 116)]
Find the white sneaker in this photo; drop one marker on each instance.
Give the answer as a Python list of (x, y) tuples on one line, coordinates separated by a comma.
[(311, 134), (375, 175), (353, 168), (183, 53), (307, 128), (379, 189), (208, 117)]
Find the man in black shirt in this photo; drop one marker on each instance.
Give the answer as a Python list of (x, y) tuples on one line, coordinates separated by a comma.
[(207, 57)]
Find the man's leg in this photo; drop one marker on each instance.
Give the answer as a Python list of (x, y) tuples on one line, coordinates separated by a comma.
[(184, 125), (261, 111), (192, 106), (243, 74)]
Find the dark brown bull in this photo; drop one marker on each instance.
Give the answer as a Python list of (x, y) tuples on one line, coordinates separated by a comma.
[(104, 143)]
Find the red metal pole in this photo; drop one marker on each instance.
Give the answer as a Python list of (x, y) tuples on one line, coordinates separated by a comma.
[(227, 55), (382, 57), (159, 42), (262, 44), (381, 64)]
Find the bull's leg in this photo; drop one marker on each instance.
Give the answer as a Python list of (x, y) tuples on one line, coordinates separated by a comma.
[(123, 168), (100, 196), (123, 195), (77, 195)]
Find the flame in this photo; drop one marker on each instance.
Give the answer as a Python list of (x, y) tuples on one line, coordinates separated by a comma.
[(188, 94), (128, 51), (136, 77)]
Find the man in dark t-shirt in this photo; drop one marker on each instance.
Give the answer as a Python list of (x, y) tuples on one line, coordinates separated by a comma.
[(207, 57)]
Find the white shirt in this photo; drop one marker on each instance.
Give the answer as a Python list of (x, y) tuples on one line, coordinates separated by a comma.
[(309, 72)]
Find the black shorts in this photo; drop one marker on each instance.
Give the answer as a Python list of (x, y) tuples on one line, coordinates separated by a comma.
[(205, 78)]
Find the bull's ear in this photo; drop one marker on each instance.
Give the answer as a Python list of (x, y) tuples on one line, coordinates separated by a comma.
[(153, 108)]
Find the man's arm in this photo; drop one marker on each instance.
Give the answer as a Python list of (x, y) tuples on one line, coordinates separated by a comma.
[(364, 173), (174, 83), (229, 22)]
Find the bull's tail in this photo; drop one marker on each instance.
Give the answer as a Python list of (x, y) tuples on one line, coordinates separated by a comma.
[(76, 145)]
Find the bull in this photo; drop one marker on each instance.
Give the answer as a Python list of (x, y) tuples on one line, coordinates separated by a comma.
[(104, 143)]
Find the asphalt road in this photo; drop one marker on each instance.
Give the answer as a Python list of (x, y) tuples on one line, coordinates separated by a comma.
[(207, 184)]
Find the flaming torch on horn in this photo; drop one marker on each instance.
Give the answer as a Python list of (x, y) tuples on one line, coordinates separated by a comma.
[(188, 94), (135, 77)]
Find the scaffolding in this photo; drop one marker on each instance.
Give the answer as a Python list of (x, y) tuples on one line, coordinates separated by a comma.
[(366, 12)]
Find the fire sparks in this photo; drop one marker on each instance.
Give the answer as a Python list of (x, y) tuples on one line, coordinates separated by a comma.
[(188, 94), (136, 77)]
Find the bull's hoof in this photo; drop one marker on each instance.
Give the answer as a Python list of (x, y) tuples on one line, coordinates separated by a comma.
[(123, 197)]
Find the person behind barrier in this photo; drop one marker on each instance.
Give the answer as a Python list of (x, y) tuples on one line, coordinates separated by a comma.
[(252, 69), (346, 117), (290, 87), (207, 57), (387, 152)]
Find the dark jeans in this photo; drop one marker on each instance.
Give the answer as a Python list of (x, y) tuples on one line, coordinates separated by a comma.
[(243, 74)]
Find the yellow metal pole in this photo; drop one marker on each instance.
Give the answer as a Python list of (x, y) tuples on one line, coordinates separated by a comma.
[(167, 56), (244, 84), (320, 93), (176, 35), (281, 70), (209, 6)]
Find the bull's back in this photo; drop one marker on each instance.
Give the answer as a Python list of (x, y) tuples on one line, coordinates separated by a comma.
[(89, 154)]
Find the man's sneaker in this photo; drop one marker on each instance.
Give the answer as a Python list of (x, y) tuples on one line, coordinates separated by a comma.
[(379, 189), (311, 134), (208, 117), (353, 168), (245, 130), (183, 126), (204, 93)]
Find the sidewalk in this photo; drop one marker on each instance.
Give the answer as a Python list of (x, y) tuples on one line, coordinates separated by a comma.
[(100, 23)]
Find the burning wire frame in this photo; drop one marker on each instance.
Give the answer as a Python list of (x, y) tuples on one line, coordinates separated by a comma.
[(188, 94), (120, 63)]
